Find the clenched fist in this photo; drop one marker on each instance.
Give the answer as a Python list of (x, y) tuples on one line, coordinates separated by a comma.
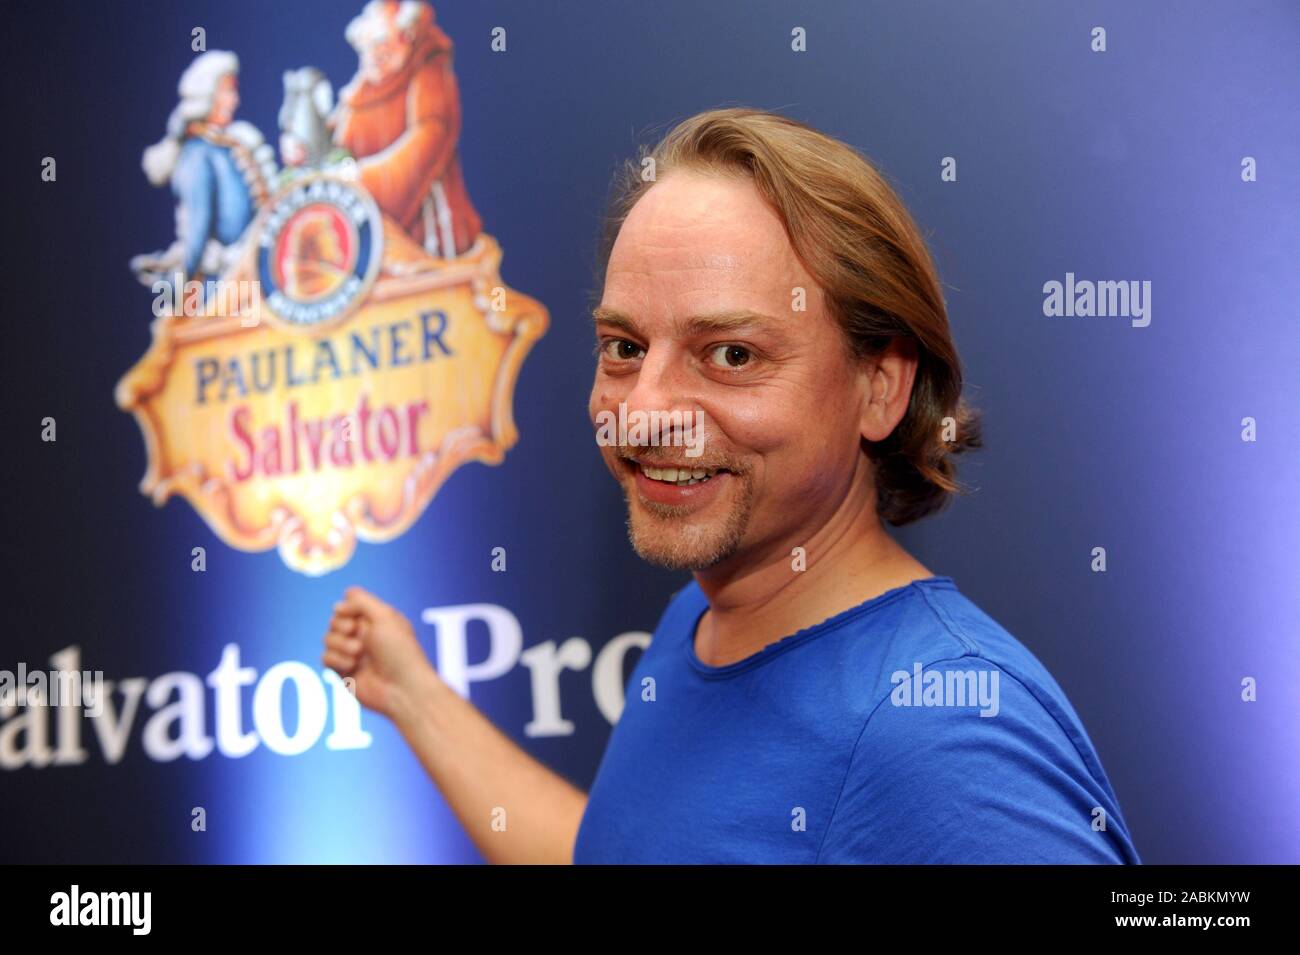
[(374, 644)]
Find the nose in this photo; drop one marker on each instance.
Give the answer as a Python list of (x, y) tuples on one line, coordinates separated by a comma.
[(664, 383)]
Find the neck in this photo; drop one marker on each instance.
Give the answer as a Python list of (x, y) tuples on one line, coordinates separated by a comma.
[(847, 558)]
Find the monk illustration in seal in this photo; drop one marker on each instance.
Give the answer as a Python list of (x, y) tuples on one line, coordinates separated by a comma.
[(399, 117)]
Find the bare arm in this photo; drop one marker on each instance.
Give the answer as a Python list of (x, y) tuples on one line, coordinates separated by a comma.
[(484, 776), (514, 808)]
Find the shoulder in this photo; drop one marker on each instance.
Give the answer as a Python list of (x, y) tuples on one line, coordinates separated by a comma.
[(986, 646), (971, 753), (245, 134), (939, 623), (196, 149), (951, 658), (991, 784), (194, 164)]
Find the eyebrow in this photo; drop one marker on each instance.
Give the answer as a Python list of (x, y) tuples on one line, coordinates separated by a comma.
[(696, 324)]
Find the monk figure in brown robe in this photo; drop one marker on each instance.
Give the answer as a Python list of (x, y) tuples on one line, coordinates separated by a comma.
[(400, 118)]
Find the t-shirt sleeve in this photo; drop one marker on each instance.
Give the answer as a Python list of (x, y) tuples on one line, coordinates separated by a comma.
[(943, 784)]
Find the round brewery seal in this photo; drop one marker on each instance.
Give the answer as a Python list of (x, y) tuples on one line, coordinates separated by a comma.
[(318, 251)]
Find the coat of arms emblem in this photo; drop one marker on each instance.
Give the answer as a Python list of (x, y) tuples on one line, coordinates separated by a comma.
[(332, 335)]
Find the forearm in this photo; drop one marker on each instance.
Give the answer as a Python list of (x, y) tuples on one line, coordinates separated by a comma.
[(514, 808)]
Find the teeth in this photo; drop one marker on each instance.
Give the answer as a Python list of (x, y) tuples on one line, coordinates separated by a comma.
[(682, 477)]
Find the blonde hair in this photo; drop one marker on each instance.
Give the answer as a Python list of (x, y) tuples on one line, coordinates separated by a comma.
[(853, 234)]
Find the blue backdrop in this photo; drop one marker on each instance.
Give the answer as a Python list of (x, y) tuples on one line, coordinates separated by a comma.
[(1117, 165)]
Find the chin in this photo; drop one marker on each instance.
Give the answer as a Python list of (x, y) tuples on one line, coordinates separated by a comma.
[(674, 544)]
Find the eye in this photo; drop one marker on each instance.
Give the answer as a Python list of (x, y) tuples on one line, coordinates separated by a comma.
[(620, 349), (730, 356)]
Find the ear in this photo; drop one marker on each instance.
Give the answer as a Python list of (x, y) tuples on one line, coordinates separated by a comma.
[(889, 377)]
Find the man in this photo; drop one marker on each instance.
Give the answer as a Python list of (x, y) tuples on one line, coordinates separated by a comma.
[(400, 117), (815, 694), (220, 171)]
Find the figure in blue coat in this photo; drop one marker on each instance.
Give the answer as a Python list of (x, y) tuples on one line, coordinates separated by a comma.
[(220, 171)]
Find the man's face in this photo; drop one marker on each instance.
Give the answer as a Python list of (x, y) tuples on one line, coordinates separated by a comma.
[(225, 101), (700, 313), (386, 53)]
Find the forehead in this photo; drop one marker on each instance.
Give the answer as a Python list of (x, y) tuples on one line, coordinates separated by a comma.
[(696, 241)]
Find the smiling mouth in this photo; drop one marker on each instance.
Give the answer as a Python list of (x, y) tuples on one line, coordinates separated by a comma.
[(677, 475)]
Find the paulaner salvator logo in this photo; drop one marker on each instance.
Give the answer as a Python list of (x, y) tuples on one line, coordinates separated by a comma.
[(379, 348)]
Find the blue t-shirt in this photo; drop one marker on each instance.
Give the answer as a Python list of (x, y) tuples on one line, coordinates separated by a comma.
[(859, 740)]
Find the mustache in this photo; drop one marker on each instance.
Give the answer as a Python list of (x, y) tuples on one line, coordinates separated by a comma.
[(651, 457)]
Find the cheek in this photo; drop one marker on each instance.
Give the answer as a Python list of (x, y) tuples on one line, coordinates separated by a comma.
[(803, 444), (777, 419), (749, 423), (606, 393)]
